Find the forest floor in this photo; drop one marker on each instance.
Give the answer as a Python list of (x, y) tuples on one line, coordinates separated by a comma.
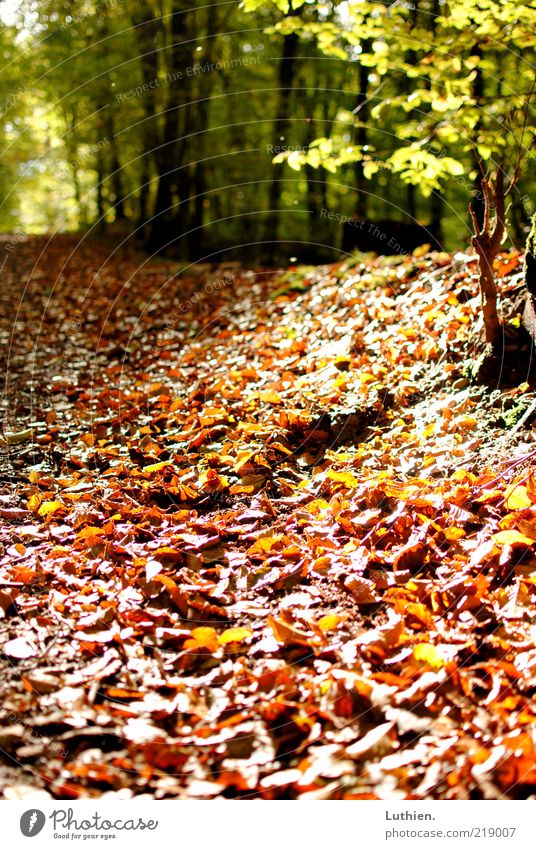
[(261, 536)]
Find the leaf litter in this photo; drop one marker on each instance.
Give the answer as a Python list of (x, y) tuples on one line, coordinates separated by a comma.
[(261, 539)]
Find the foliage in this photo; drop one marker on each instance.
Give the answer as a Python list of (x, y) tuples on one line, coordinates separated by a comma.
[(275, 563), (106, 103), (426, 59)]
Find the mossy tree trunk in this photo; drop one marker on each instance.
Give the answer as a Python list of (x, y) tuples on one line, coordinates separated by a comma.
[(530, 260), (529, 315)]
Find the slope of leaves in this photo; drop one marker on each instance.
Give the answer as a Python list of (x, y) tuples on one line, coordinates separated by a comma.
[(261, 537)]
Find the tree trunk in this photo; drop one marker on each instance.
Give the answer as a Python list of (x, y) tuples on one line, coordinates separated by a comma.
[(436, 214), (529, 315), (171, 213), (196, 240), (486, 242), (313, 177), (362, 111), (282, 122), (411, 202), (478, 202), (82, 212), (101, 221), (488, 293), (143, 201), (115, 173), (146, 28)]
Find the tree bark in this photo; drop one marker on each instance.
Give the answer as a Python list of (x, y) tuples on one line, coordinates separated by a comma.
[(436, 214), (147, 28), (115, 173), (281, 125), (478, 202), (101, 211), (171, 211), (486, 242), (362, 111), (529, 315), (196, 242)]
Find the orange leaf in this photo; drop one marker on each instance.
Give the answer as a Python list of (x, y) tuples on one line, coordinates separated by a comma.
[(203, 638), (287, 634), (362, 589), (90, 531)]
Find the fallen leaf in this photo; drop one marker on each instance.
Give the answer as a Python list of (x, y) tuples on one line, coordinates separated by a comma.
[(19, 648)]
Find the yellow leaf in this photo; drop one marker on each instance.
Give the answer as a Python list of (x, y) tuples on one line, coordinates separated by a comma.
[(329, 623), (49, 507), (270, 396), (428, 654), (463, 476), (155, 467), (234, 635), (265, 544), (517, 497), (212, 481), (347, 478), (454, 533), (511, 538)]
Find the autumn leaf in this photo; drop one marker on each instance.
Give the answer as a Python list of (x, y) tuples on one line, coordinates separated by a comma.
[(347, 478), (47, 508), (330, 622), (511, 537), (203, 638), (428, 654), (234, 635), (275, 536), (157, 467), (19, 648), (286, 633), (517, 497), (361, 589)]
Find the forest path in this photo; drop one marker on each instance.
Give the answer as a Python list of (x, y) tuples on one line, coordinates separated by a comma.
[(250, 546)]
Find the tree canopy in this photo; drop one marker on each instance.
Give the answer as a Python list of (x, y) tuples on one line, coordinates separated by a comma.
[(206, 127)]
